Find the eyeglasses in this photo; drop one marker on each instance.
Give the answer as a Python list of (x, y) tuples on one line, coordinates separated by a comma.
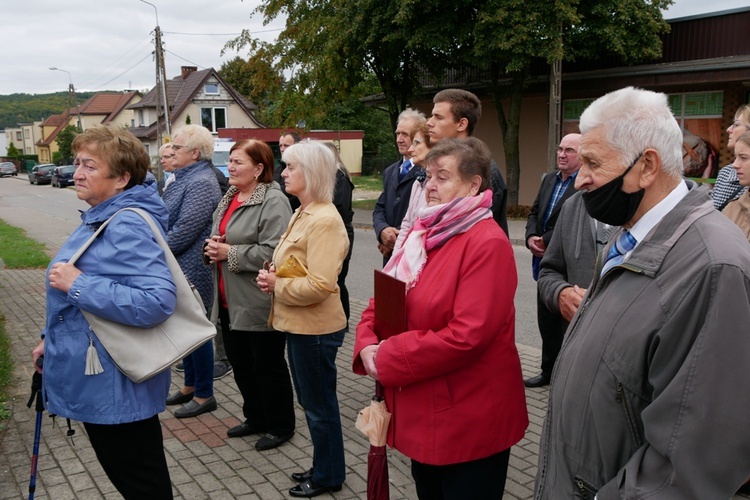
[(177, 147), (417, 142)]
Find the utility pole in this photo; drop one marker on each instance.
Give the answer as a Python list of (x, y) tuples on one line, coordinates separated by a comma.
[(162, 104), (71, 96), (161, 79)]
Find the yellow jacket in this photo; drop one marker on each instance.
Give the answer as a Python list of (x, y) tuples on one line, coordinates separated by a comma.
[(306, 305)]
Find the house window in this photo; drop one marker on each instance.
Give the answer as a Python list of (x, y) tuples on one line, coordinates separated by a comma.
[(19, 137), (141, 123), (212, 89), (214, 118)]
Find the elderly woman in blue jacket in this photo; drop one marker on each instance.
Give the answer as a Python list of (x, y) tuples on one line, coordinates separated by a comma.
[(123, 276)]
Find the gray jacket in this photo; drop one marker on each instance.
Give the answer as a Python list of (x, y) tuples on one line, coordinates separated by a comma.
[(253, 232), (649, 394), (571, 254)]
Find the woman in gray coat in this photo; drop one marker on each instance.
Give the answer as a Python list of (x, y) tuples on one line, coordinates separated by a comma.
[(247, 226)]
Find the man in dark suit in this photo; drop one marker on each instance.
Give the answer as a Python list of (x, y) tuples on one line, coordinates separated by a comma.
[(555, 189), (287, 139), (397, 181)]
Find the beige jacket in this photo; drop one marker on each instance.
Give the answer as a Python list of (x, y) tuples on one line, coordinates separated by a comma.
[(317, 238)]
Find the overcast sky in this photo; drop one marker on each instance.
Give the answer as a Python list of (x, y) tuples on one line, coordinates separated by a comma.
[(107, 44)]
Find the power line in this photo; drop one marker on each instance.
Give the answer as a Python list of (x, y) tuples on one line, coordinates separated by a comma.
[(221, 34), (121, 74), (180, 57), (124, 59)]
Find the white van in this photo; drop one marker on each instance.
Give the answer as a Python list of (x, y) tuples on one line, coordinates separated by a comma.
[(220, 158)]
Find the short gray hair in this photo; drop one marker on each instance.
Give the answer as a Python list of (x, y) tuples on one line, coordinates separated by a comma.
[(165, 146), (197, 137), (318, 166), (634, 120), (417, 117)]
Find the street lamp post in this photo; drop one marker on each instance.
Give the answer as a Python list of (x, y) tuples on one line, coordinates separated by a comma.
[(71, 94)]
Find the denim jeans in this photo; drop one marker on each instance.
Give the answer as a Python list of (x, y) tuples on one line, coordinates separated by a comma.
[(199, 370), (312, 360)]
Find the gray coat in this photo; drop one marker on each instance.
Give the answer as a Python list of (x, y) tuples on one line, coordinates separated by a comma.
[(571, 253), (649, 394), (253, 232)]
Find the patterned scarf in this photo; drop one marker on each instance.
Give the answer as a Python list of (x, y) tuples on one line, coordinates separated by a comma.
[(433, 227)]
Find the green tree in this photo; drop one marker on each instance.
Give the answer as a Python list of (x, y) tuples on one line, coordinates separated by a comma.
[(331, 46), (12, 150), (255, 78), (64, 142), (539, 30)]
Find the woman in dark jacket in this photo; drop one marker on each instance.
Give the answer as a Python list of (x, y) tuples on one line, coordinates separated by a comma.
[(342, 200), (191, 200), (247, 226)]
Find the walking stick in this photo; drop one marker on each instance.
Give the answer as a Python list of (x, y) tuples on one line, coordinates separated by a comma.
[(36, 393)]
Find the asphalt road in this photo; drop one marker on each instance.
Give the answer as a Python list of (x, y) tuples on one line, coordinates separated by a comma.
[(62, 204)]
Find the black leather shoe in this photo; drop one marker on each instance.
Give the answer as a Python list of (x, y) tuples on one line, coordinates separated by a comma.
[(244, 429), (179, 398), (194, 408), (271, 441), (301, 477), (311, 489), (539, 381)]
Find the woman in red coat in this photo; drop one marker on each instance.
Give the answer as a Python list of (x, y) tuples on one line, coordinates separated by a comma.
[(453, 380)]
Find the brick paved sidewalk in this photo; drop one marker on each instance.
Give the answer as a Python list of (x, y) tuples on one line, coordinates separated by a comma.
[(203, 462)]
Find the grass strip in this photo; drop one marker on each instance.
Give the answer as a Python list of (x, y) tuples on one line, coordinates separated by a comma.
[(368, 183), (20, 252)]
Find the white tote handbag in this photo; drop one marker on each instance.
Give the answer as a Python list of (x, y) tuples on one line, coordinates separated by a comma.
[(141, 353)]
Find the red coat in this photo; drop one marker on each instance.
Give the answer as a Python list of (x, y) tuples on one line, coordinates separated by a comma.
[(453, 381)]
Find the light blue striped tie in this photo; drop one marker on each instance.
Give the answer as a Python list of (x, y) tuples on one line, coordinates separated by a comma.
[(624, 243)]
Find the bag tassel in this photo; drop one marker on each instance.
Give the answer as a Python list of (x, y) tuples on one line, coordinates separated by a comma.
[(93, 366)]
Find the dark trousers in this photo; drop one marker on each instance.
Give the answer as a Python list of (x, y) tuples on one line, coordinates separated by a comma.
[(262, 376), (552, 328), (483, 478), (132, 455)]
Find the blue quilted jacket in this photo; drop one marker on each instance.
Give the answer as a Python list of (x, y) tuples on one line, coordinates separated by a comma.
[(191, 200)]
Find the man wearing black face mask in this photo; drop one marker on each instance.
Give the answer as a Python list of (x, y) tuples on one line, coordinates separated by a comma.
[(649, 393)]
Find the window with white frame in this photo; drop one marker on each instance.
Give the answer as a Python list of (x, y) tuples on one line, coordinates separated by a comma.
[(211, 89), (214, 118)]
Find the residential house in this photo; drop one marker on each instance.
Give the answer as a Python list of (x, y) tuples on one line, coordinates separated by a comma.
[(203, 97), (23, 137), (103, 108)]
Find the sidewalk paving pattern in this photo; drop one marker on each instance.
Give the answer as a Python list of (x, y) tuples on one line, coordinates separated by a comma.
[(203, 462)]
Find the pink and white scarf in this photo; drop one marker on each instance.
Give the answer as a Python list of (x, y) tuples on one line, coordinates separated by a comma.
[(432, 228)]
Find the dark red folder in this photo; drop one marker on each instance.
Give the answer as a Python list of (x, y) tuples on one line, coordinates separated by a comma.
[(390, 305)]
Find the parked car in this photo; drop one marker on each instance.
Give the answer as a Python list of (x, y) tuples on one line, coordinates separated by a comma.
[(41, 174), (7, 168), (63, 176)]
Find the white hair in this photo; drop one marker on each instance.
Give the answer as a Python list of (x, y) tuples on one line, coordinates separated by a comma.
[(318, 166), (634, 120)]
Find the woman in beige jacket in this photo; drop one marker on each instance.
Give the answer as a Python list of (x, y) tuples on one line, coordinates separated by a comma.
[(306, 305)]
